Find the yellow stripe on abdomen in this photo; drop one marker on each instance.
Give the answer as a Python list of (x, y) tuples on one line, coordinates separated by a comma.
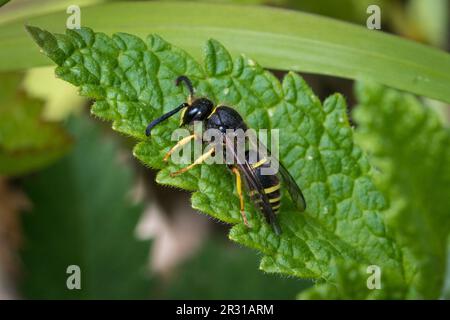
[(277, 206), (277, 199), (272, 189), (259, 163)]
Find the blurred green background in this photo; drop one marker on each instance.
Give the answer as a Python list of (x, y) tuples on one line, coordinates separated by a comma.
[(72, 194)]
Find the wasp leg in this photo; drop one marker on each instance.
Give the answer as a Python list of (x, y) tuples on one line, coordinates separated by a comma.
[(239, 192), (199, 160), (180, 144)]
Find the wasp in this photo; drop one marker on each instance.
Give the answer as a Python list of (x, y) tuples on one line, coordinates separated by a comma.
[(264, 190)]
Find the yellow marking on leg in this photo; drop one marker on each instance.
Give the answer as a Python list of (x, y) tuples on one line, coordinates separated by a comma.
[(239, 192), (272, 189), (180, 143), (275, 200), (259, 163), (199, 160)]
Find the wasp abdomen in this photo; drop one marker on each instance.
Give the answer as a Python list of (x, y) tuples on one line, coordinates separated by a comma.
[(270, 183)]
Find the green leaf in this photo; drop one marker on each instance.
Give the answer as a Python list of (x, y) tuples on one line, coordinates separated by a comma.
[(278, 39), (132, 81), (81, 216), (410, 146), (26, 141)]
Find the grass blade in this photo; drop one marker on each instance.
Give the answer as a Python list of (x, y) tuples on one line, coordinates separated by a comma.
[(278, 39)]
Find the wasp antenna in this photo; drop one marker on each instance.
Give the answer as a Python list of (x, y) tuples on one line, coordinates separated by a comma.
[(163, 117), (188, 83)]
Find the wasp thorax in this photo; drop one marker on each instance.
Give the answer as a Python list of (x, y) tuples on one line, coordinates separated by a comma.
[(199, 110)]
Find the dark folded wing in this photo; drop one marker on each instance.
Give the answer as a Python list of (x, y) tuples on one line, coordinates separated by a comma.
[(294, 190), (260, 198)]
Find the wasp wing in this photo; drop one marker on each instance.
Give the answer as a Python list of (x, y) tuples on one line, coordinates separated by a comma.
[(260, 198), (293, 188), (289, 182)]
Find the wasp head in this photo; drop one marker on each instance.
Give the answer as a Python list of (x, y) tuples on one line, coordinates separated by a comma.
[(195, 109)]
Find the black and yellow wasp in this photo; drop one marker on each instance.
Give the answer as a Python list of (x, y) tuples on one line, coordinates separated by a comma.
[(265, 190)]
